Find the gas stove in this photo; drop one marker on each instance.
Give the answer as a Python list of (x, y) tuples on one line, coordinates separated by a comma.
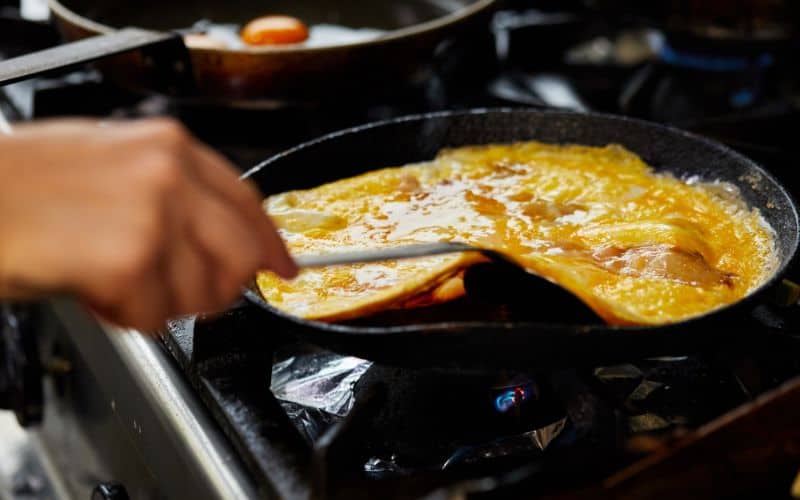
[(342, 427), (233, 407)]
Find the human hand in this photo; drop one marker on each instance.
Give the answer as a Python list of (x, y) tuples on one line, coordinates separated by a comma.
[(137, 219)]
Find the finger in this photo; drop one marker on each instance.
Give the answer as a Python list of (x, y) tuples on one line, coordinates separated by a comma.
[(226, 238), (146, 307), (217, 175), (190, 278), (278, 258), (150, 305), (189, 271)]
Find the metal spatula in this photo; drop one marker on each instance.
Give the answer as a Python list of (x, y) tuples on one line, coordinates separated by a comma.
[(501, 280), (401, 252)]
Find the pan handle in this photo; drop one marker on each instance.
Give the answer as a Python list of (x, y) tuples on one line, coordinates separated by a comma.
[(80, 52)]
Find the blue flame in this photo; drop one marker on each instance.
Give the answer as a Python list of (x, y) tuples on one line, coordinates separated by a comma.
[(510, 398), (718, 63)]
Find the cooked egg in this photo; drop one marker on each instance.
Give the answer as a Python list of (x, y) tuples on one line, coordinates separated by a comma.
[(638, 247), (203, 41), (269, 31)]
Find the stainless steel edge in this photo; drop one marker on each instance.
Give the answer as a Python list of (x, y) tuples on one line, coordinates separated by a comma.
[(158, 410)]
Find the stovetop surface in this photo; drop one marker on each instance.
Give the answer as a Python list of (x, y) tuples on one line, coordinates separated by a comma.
[(395, 433), (347, 428)]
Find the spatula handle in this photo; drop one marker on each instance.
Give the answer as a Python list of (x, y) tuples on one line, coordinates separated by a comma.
[(82, 51)]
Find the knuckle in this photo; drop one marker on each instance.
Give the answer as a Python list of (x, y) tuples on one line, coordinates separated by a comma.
[(168, 130), (164, 173), (140, 254), (149, 227)]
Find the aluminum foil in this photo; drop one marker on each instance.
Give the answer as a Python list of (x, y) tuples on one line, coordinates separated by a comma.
[(322, 381), (316, 390), (378, 467), (537, 439), (637, 385), (311, 422)]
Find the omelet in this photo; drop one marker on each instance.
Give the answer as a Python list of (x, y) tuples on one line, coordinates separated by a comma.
[(638, 247)]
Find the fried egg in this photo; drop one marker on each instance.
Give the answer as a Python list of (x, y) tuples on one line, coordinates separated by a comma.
[(638, 247)]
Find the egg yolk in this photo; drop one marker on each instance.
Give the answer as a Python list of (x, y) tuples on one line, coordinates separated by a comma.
[(274, 30)]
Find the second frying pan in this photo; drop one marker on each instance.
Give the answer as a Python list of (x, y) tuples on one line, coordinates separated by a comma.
[(411, 32), (506, 344)]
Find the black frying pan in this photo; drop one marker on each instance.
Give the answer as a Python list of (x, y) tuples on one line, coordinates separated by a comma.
[(506, 344)]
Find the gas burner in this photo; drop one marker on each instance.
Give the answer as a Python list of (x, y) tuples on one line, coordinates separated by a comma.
[(434, 420), (691, 82)]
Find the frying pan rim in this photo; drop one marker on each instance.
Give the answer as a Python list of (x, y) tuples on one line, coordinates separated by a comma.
[(432, 25), (254, 296)]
